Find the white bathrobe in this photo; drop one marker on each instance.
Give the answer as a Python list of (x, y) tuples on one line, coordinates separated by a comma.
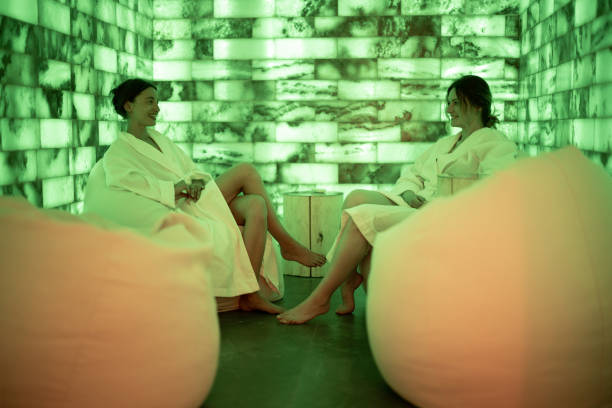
[(136, 166), (485, 151)]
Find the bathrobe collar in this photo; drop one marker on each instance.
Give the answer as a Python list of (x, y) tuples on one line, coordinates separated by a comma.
[(149, 151)]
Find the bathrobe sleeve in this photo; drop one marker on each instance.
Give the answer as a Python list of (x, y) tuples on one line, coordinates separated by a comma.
[(127, 173), (496, 155), (414, 178)]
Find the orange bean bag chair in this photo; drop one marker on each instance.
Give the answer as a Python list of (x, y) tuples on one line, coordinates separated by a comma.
[(501, 296)]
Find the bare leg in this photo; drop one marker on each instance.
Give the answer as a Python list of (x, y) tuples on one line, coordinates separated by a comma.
[(244, 178), (352, 248), (250, 211), (354, 279)]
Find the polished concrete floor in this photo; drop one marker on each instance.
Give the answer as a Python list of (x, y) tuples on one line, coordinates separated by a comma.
[(324, 363)]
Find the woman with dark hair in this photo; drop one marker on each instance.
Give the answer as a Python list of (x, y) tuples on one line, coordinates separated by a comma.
[(147, 163), (476, 149)]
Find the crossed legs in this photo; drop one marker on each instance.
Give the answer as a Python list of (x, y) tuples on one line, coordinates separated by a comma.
[(352, 249), (254, 210)]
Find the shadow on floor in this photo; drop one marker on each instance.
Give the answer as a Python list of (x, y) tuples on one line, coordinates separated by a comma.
[(324, 363)]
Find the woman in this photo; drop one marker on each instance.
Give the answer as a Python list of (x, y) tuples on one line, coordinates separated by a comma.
[(477, 148), (147, 163)]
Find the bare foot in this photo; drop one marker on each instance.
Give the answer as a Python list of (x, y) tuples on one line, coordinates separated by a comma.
[(254, 301), (299, 253), (305, 311), (348, 294)]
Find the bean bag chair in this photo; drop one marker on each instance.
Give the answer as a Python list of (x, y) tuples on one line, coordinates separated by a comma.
[(95, 316), (126, 208), (501, 296)]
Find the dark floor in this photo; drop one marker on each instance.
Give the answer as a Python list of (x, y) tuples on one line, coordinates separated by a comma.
[(324, 363)]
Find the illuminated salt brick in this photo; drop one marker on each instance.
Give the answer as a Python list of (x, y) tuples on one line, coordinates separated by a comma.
[(492, 47), (584, 11), (18, 68), (346, 26), (307, 132), (417, 68), (306, 90), (453, 68), (302, 8), (345, 153), (583, 136), (163, 9), (172, 70), (107, 132), (600, 104), (19, 100), (211, 70), (267, 171), (230, 132), (19, 134), (564, 77), (283, 69), (368, 7), (241, 90), (603, 135), (509, 129), (57, 191), (358, 47), (603, 64), (23, 10), (222, 111), (283, 111), (84, 105), (409, 110), (81, 159), (421, 46), (105, 11), (126, 18), (364, 90), (55, 133), (296, 48), (105, 59), (430, 8), (175, 111), (168, 50), (223, 153), (424, 89), (144, 26), (353, 69), (474, 25), (239, 49), (244, 8), (308, 173), (368, 173), (400, 152), (53, 104), (358, 112), (52, 163), (282, 152), (416, 131), (127, 64), (172, 29), (54, 15), (17, 167), (283, 27), (369, 132)]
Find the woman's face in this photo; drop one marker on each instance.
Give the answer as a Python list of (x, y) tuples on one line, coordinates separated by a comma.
[(144, 109), (461, 115)]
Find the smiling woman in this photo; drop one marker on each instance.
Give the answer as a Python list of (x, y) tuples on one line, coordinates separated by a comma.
[(176, 192)]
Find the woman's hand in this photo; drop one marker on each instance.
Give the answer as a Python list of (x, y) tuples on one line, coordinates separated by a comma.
[(192, 191), (413, 200)]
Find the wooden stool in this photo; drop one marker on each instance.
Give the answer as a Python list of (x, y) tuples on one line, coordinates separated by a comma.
[(313, 219)]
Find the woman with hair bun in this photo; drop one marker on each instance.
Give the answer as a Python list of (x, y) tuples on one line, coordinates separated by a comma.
[(477, 149), (147, 163)]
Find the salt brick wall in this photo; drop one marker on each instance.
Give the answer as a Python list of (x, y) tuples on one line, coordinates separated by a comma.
[(317, 94)]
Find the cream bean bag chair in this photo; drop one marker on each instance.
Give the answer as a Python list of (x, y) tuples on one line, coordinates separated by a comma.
[(125, 208), (100, 317), (501, 296)]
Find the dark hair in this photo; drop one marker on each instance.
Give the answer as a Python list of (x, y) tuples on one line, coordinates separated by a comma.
[(128, 91), (475, 90)]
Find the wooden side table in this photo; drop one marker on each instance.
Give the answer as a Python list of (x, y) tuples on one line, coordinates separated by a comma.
[(313, 219)]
